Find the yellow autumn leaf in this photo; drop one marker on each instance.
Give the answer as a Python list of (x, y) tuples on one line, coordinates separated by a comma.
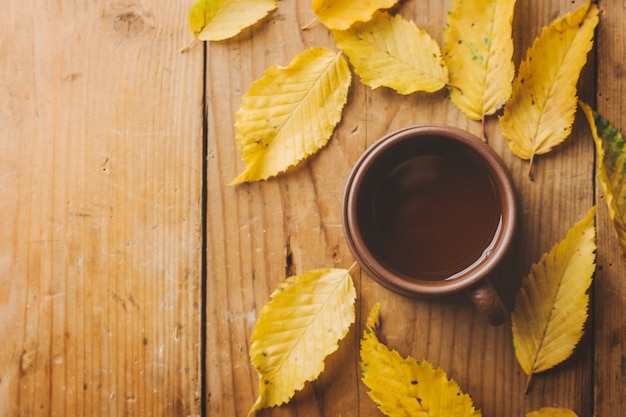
[(297, 329), (540, 112), (393, 52), (405, 387), (552, 412), (478, 51), (291, 112), (216, 20), (611, 149), (341, 14), (551, 306)]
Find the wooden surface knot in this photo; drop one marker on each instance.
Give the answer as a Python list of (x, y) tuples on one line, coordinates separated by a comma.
[(129, 24), (129, 18)]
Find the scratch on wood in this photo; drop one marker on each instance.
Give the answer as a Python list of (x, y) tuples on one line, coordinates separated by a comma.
[(178, 330), (618, 336), (238, 316), (290, 268), (72, 77), (119, 300), (6, 286), (26, 360)]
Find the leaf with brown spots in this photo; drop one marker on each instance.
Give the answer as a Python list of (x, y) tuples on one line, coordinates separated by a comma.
[(291, 112), (301, 325), (551, 306), (540, 112), (478, 52), (393, 52), (611, 150), (406, 387)]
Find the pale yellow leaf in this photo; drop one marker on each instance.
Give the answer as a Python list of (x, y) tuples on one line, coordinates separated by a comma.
[(393, 52), (540, 112), (611, 149), (478, 51), (298, 329), (341, 14), (215, 20), (551, 306), (291, 112), (552, 412), (405, 387)]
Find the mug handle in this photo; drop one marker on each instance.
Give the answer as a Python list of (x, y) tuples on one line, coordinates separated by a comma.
[(489, 304)]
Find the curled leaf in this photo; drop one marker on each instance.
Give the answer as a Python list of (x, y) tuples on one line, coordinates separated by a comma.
[(478, 51), (341, 14), (393, 52), (406, 387), (552, 304), (552, 412), (291, 112), (216, 20), (297, 329), (611, 149), (540, 112)]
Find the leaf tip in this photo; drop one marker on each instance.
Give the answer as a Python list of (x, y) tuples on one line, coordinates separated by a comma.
[(240, 179), (373, 318)]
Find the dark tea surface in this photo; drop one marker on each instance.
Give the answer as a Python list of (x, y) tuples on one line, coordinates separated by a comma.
[(436, 214)]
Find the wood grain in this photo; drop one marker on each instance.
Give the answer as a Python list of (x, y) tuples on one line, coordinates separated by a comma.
[(610, 287), (100, 239), (101, 181), (259, 233)]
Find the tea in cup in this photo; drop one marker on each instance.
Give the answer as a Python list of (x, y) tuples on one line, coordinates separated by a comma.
[(432, 210)]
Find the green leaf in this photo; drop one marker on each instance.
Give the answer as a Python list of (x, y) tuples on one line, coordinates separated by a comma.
[(611, 149)]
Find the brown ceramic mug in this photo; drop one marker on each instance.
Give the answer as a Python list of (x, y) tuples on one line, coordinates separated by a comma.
[(431, 210)]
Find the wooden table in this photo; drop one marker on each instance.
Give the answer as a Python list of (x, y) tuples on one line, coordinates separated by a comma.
[(132, 273)]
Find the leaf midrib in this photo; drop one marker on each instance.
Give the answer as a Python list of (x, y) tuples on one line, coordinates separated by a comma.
[(298, 106), (559, 75)]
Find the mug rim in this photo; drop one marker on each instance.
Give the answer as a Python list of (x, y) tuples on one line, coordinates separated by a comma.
[(401, 283)]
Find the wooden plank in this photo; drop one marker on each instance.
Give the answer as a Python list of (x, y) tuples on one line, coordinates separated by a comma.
[(610, 288), (259, 233), (561, 195), (100, 238)]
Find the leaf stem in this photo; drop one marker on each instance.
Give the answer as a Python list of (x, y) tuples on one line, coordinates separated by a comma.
[(352, 267), (482, 127), (531, 174), (527, 387), (310, 24), (454, 87), (187, 48)]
